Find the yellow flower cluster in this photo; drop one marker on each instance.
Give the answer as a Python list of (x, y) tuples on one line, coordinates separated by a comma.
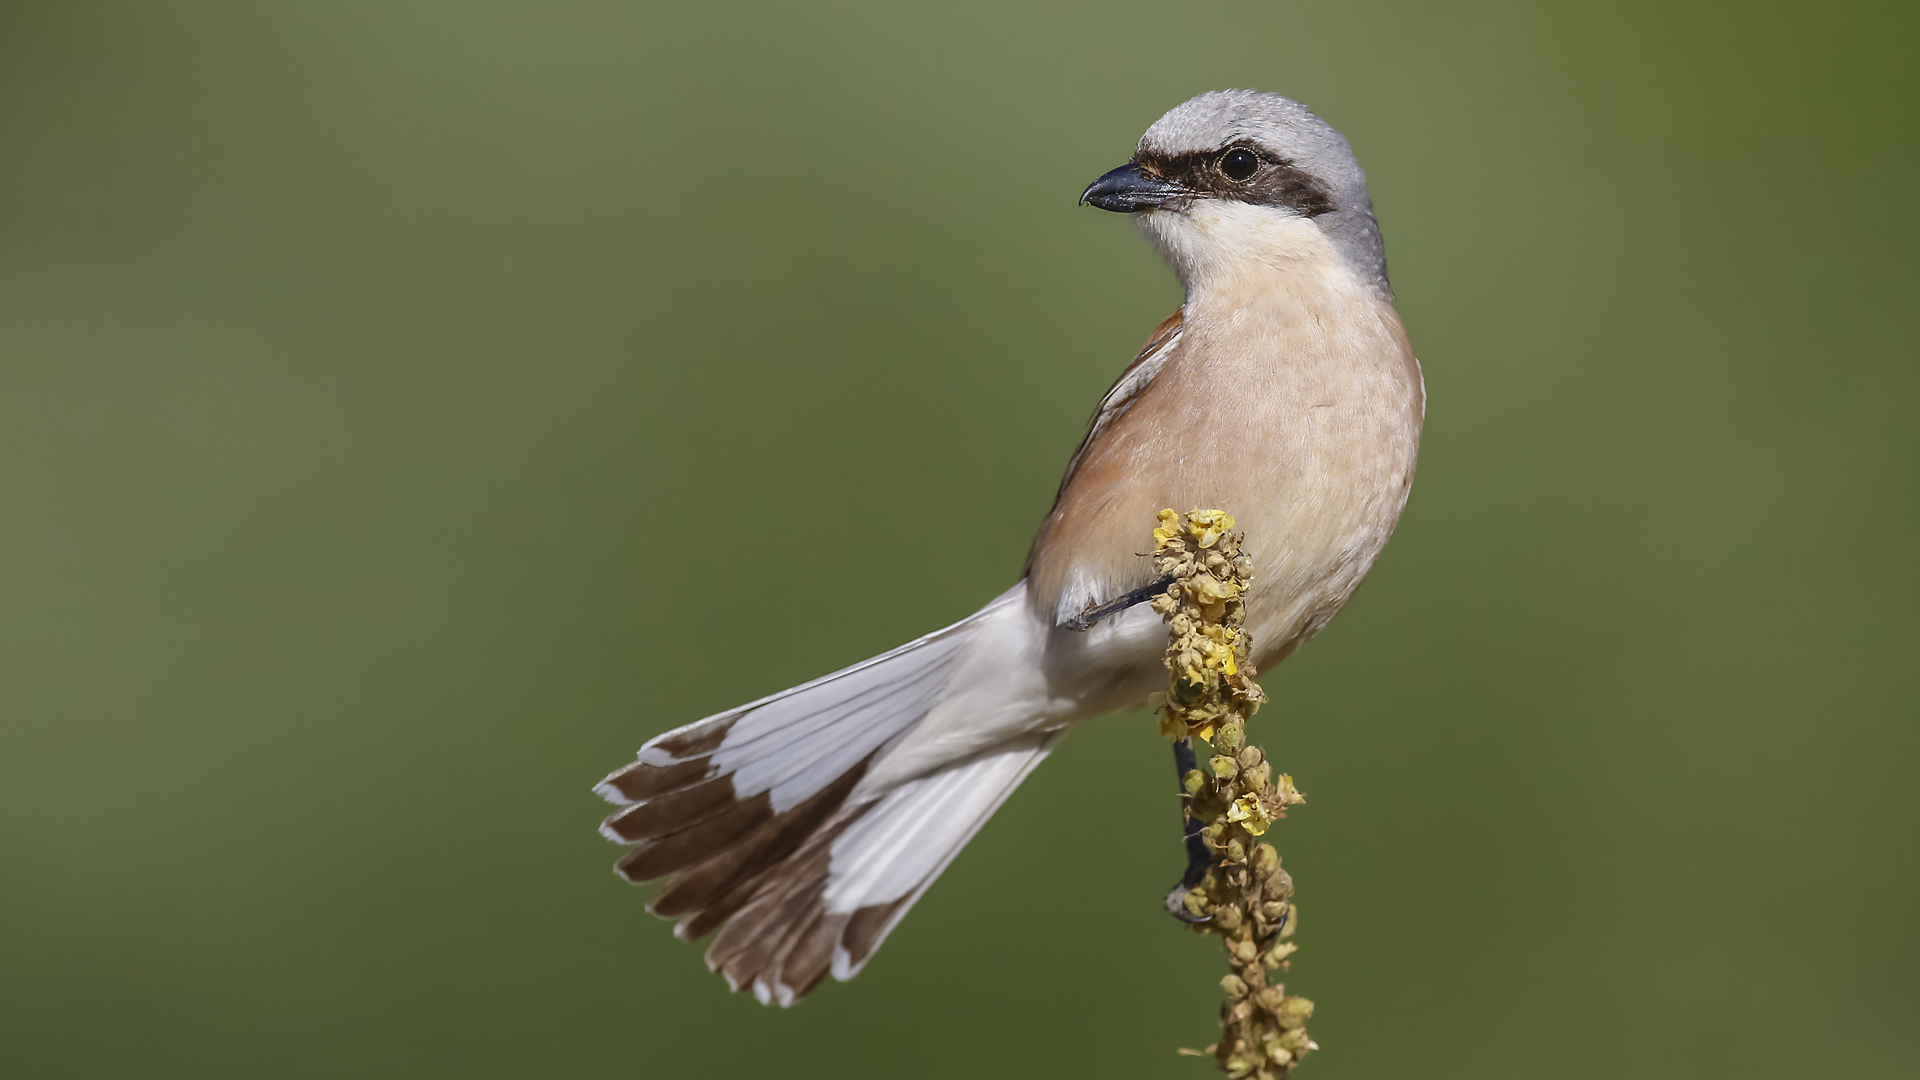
[(1245, 897), (1207, 653)]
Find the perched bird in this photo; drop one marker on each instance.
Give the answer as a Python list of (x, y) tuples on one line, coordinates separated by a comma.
[(804, 825)]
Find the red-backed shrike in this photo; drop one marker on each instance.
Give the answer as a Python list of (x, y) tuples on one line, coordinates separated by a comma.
[(803, 826)]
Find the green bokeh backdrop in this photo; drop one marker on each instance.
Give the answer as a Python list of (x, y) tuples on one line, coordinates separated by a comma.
[(406, 408)]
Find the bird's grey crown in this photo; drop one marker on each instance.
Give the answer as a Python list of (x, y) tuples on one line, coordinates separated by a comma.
[(1289, 131)]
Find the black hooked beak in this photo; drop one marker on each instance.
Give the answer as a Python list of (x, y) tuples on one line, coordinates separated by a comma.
[(1128, 190)]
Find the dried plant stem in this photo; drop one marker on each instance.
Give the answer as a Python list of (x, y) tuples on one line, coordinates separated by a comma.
[(1245, 897)]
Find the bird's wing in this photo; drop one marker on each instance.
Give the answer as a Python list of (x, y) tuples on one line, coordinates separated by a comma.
[(1046, 579), (1125, 391)]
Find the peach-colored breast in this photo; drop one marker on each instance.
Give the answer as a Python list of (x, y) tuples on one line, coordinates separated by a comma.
[(1298, 412)]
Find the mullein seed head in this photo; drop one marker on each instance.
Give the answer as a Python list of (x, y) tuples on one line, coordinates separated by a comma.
[(1211, 693)]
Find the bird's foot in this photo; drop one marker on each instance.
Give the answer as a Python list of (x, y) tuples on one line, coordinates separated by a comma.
[(1177, 905)]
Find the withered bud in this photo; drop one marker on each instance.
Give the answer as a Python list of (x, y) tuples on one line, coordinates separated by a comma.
[(1257, 777), (1230, 737), (1265, 859), (1279, 885)]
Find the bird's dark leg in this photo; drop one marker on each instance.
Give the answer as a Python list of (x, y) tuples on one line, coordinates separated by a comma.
[(1199, 859), (1096, 612)]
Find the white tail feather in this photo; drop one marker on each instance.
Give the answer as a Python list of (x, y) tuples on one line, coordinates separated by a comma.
[(796, 742), (901, 846)]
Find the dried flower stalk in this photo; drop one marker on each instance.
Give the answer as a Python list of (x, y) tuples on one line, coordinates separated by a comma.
[(1245, 897)]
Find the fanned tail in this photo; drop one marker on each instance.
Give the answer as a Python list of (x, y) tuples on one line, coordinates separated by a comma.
[(752, 816)]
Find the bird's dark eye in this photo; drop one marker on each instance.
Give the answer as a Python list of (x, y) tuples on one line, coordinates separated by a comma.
[(1239, 164)]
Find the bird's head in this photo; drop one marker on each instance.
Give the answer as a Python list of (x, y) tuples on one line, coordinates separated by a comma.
[(1238, 180)]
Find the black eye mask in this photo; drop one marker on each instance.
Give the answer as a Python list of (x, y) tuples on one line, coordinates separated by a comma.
[(1273, 182)]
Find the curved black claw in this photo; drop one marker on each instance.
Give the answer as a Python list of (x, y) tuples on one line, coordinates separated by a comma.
[(1177, 906)]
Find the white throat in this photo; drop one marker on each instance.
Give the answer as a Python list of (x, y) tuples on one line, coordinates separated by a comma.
[(1220, 246)]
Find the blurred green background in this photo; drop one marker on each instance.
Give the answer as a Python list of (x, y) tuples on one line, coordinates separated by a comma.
[(407, 408)]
